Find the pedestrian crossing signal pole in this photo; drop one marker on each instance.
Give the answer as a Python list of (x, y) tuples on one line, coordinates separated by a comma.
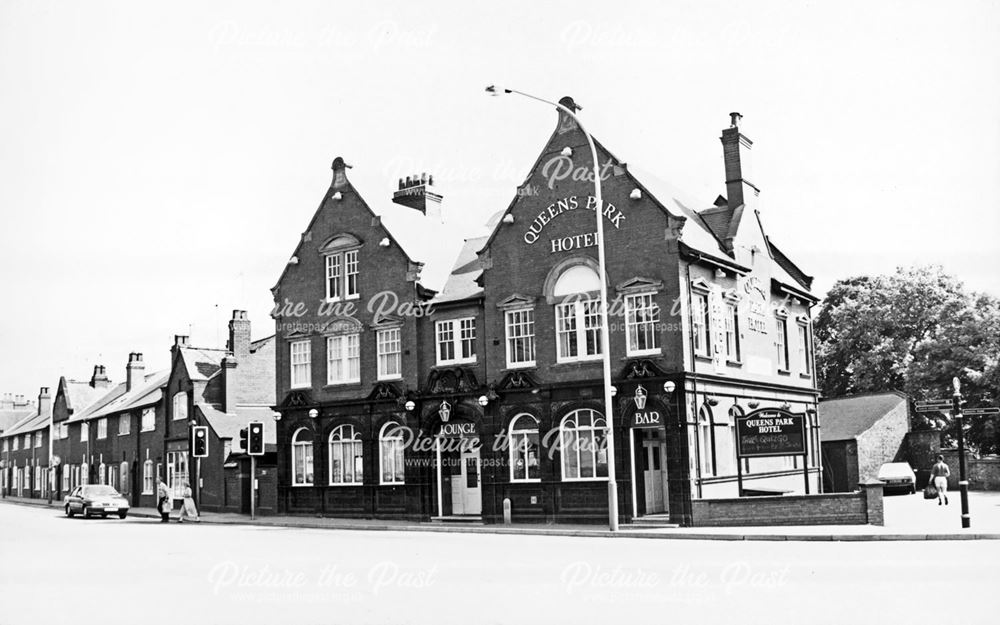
[(963, 482)]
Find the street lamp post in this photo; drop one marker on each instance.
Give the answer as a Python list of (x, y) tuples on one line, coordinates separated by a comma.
[(963, 482), (605, 342)]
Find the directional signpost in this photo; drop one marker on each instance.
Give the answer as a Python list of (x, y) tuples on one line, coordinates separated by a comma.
[(955, 405)]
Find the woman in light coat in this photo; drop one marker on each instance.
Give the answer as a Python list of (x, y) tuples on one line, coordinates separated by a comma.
[(188, 509)]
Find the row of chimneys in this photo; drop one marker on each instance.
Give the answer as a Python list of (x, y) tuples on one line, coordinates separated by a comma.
[(11, 401)]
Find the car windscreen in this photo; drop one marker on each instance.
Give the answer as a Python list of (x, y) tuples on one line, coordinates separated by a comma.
[(100, 491)]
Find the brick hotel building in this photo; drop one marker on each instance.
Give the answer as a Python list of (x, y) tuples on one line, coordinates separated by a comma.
[(495, 376)]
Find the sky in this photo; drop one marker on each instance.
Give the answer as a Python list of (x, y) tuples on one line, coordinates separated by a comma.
[(159, 162)]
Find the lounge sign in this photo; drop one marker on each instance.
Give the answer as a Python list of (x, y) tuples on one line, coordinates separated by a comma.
[(770, 432), (458, 429)]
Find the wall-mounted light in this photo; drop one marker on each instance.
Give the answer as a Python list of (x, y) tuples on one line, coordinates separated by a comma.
[(445, 411), (508, 218), (614, 390), (337, 196), (640, 398), (713, 401), (384, 242), (567, 151), (753, 403), (669, 386), (409, 405), (785, 405), (313, 413), (636, 194), (484, 400), (277, 416)]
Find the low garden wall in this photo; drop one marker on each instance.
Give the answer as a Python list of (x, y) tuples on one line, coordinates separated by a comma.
[(862, 507)]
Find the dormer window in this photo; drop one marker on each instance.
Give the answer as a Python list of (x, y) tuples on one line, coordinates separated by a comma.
[(341, 254)]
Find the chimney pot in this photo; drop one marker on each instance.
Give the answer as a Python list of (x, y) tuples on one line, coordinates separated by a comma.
[(734, 120)]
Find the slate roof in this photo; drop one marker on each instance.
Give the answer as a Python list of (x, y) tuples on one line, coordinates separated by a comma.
[(10, 418), (80, 395), (110, 395), (148, 392), (846, 418), (461, 282), (202, 363)]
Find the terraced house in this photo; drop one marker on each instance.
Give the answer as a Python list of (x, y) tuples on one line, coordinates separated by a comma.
[(24, 446), (486, 387)]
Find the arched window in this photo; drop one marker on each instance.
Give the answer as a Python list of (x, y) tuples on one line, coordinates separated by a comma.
[(725, 442), (705, 451), (523, 440), (583, 440), (390, 443), (346, 456), (180, 406), (302, 458), (578, 313)]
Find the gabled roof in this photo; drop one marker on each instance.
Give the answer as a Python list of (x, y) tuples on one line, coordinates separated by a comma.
[(462, 282), (202, 363), (80, 394), (846, 418), (30, 423), (229, 424), (10, 418), (148, 392), (110, 395)]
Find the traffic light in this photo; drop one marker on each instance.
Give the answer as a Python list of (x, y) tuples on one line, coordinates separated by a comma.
[(243, 439), (256, 447), (200, 435)]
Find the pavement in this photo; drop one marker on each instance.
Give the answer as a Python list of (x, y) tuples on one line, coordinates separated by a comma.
[(56, 570), (907, 517)]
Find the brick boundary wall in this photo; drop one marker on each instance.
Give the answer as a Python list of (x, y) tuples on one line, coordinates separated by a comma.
[(862, 507)]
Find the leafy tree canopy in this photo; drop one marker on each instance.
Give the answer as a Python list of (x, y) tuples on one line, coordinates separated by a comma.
[(913, 331)]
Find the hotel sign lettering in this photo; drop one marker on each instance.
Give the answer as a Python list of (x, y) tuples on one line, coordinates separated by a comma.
[(613, 214), (770, 432)]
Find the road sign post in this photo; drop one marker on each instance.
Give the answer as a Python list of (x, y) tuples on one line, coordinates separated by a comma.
[(963, 482)]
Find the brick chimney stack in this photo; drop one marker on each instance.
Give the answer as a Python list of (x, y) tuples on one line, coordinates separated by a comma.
[(418, 192), (239, 336), (100, 377), (736, 154), (44, 401), (134, 371)]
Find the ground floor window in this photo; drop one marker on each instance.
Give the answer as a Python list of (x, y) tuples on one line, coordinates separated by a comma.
[(177, 472), (101, 476), (147, 478), (390, 442), (583, 438), (126, 486), (524, 449), (346, 456), (302, 458), (84, 474)]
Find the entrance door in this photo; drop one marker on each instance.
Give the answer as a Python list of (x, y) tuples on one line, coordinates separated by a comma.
[(466, 484), (654, 471)]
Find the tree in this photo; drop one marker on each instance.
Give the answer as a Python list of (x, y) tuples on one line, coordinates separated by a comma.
[(912, 331)]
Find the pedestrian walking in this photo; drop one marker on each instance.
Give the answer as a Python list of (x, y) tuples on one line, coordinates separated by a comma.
[(163, 500), (939, 475), (188, 509)]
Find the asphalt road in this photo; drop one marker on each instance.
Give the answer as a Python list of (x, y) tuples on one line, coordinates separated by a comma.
[(59, 570)]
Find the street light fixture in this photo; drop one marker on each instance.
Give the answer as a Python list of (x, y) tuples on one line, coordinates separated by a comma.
[(605, 342)]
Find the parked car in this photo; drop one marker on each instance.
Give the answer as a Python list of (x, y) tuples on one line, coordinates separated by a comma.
[(95, 499), (898, 476)]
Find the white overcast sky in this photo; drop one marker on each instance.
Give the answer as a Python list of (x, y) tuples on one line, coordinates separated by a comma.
[(158, 162)]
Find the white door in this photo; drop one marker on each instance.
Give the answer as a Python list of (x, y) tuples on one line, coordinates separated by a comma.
[(466, 485), (654, 472)]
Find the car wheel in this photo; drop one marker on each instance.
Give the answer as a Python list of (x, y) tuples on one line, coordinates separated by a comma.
[(104, 515), (69, 512), (122, 515), (85, 512)]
